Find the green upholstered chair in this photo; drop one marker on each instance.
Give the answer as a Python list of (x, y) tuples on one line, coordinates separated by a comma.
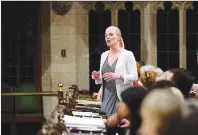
[(27, 104), (6, 101)]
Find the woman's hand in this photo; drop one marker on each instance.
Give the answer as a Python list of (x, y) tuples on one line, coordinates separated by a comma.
[(110, 76), (95, 75), (124, 123), (97, 95)]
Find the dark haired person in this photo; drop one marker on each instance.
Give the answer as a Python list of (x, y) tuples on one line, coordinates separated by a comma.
[(162, 84), (133, 98), (128, 110), (182, 79), (195, 69)]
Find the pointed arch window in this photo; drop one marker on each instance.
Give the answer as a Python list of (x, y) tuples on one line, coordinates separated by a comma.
[(129, 24), (191, 35), (168, 37), (21, 65), (99, 20), (20, 40)]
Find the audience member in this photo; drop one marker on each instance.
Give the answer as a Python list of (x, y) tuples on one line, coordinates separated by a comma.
[(161, 110)]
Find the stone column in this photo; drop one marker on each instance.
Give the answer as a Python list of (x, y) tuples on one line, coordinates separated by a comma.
[(116, 6), (182, 6), (141, 6), (149, 45), (46, 56)]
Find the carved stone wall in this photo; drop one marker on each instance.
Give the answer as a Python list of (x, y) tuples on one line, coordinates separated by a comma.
[(67, 32)]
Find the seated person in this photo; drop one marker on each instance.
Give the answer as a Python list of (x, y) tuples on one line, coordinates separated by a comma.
[(188, 125), (194, 91), (128, 110), (162, 84), (148, 75), (160, 111), (181, 78)]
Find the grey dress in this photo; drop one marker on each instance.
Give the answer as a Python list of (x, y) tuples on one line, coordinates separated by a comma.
[(109, 96)]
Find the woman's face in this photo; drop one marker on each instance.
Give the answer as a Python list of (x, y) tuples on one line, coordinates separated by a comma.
[(111, 37)]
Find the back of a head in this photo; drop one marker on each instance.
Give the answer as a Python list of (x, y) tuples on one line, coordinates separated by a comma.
[(133, 97), (162, 102), (178, 94), (183, 80), (148, 75), (148, 78), (162, 109), (162, 84)]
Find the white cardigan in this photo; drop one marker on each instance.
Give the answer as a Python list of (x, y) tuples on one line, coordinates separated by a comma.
[(126, 66)]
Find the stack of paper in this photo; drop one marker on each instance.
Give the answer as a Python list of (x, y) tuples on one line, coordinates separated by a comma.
[(86, 102), (84, 123), (87, 108), (85, 114)]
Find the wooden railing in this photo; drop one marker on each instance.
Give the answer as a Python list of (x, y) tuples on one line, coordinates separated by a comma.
[(13, 122), (58, 93), (46, 93)]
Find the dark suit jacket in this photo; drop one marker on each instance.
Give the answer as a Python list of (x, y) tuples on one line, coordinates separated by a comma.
[(195, 73)]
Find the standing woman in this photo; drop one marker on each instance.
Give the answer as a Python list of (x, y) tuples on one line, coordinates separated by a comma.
[(117, 72)]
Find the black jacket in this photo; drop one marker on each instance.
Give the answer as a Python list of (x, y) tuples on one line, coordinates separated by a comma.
[(195, 73)]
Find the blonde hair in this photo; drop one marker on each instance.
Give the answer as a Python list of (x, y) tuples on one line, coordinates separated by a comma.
[(148, 75), (161, 106), (118, 33), (148, 78), (177, 93)]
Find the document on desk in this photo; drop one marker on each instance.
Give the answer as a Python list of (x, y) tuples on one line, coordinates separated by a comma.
[(84, 122), (87, 114), (85, 102)]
